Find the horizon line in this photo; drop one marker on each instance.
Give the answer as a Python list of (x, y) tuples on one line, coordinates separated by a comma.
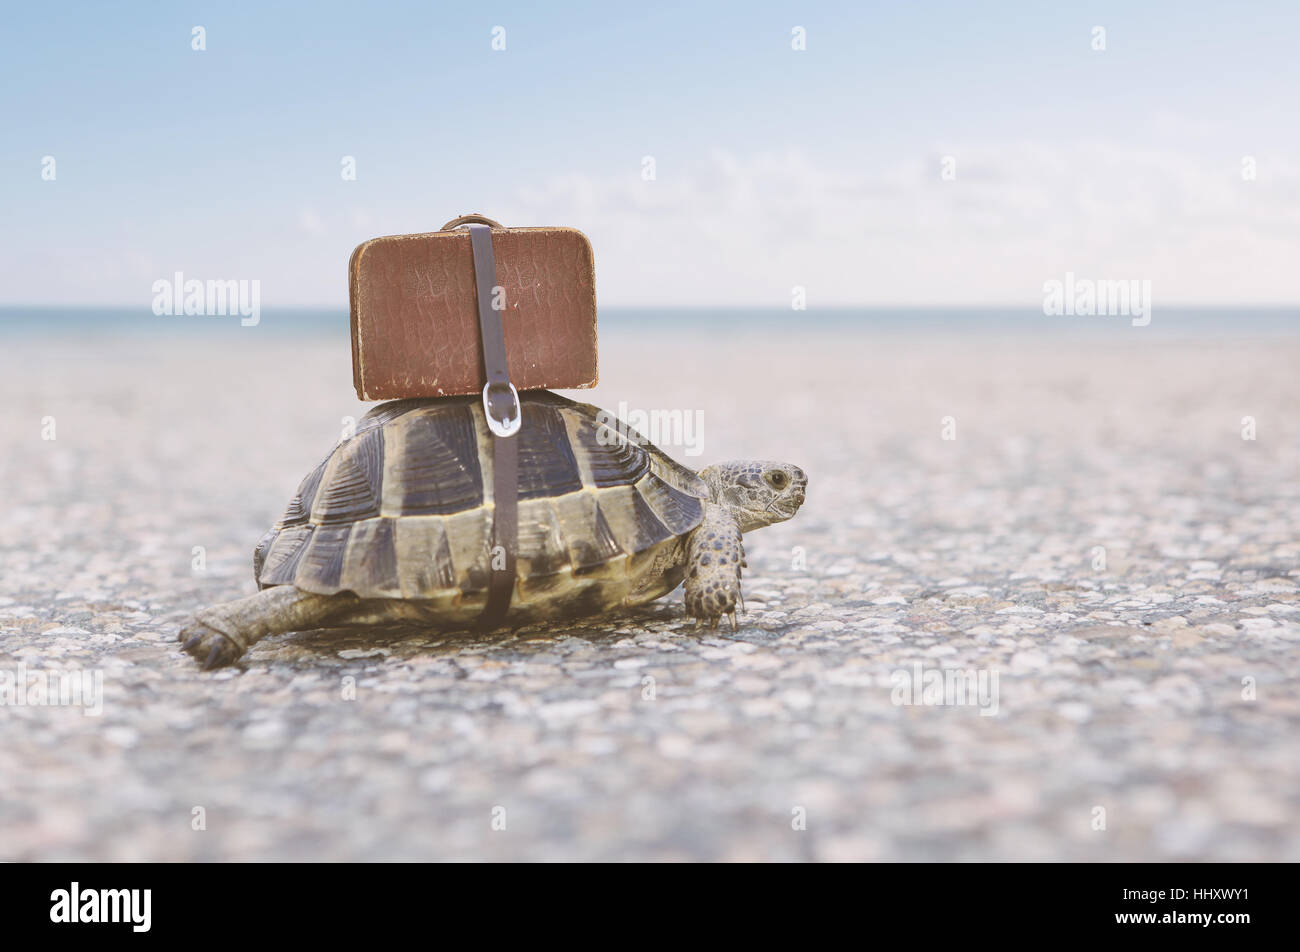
[(1017, 306)]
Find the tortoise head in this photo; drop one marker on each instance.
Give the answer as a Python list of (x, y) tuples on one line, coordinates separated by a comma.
[(757, 492)]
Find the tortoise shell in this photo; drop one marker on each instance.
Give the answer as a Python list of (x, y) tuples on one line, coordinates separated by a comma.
[(403, 508)]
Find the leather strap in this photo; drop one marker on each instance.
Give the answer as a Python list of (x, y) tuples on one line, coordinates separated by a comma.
[(500, 403), (505, 531)]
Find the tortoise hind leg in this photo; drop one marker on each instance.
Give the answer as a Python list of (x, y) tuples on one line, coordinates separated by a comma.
[(219, 635)]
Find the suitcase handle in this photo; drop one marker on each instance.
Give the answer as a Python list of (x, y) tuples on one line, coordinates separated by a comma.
[(471, 219)]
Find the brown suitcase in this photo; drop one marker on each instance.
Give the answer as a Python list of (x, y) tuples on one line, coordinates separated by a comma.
[(415, 319)]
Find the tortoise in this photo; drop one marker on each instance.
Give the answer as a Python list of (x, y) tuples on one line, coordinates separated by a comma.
[(394, 526)]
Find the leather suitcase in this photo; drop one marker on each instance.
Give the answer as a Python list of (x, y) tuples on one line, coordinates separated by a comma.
[(415, 319)]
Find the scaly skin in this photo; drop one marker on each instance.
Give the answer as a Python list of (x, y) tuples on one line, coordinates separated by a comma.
[(714, 556), (219, 635), (747, 495)]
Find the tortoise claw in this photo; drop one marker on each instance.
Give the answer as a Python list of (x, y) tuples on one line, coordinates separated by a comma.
[(208, 646)]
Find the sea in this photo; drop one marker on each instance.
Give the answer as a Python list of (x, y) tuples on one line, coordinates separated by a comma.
[(1200, 323)]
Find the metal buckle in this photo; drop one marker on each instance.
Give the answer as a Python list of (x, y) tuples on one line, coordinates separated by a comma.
[(510, 426)]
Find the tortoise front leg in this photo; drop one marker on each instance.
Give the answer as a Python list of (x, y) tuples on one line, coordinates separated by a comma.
[(220, 634), (714, 558)]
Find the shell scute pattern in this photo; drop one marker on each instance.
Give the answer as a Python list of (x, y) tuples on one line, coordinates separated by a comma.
[(403, 508), (612, 461), (299, 510), (547, 465), (426, 563), (590, 540), (432, 468), (352, 482)]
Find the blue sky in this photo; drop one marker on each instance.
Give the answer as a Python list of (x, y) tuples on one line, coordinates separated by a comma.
[(773, 167)]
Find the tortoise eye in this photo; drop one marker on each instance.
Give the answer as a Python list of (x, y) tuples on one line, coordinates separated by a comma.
[(777, 479)]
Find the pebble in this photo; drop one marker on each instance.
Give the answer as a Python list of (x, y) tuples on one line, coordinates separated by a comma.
[(635, 737)]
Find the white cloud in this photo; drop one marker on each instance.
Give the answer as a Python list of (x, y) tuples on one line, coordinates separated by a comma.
[(728, 230), (732, 230)]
